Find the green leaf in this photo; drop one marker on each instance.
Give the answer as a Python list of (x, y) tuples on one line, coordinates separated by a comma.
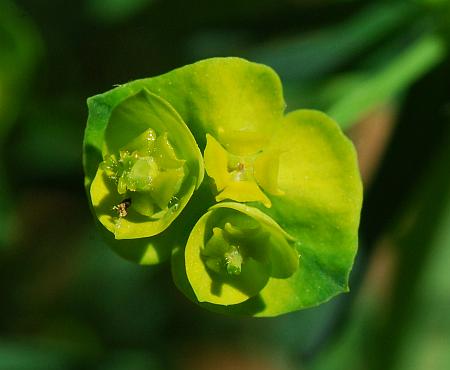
[(319, 207), (236, 101)]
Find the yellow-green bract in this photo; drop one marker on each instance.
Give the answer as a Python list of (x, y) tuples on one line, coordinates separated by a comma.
[(273, 226)]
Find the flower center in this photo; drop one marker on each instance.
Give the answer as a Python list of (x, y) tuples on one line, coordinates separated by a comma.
[(243, 178), (232, 245), (147, 172), (223, 254), (233, 260)]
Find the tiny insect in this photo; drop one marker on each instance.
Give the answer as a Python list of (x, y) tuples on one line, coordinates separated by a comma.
[(122, 207)]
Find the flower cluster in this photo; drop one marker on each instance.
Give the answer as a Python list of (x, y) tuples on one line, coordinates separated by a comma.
[(273, 226)]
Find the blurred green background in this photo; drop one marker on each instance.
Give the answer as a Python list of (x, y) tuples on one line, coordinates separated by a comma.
[(381, 68)]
